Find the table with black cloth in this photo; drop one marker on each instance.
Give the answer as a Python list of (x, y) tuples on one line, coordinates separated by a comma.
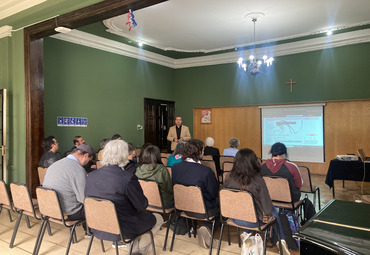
[(341, 227), (347, 170)]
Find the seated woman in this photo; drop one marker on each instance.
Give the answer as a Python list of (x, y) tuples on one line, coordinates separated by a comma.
[(153, 169), (214, 152), (245, 175), (234, 144), (112, 182), (175, 157), (278, 165)]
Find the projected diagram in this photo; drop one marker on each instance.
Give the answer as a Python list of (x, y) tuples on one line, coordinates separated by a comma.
[(294, 131)]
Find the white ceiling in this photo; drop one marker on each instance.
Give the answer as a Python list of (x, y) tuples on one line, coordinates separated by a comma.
[(10, 7), (211, 25)]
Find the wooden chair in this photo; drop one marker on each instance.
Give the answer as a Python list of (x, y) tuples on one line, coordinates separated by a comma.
[(42, 172), (51, 210), (101, 215), (5, 200), (165, 155), (240, 205), (164, 160), (207, 157), (155, 202), (169, 170), (23, 205), (307, 184), (228, 166), (280, 193), (190, 199), (98, 164), (224, 174), (211, 164)]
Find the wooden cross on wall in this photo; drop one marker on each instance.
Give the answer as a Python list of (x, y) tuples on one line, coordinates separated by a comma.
[(291, 82)]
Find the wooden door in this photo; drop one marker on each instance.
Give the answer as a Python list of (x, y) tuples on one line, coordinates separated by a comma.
[(3, 134)]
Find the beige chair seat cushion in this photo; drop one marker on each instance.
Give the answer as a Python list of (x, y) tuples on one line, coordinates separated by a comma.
[(232, 223)]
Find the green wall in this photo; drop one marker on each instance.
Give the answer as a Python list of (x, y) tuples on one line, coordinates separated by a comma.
[(107, 88), (340, 73)]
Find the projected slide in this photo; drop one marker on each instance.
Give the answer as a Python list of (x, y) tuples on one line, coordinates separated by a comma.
[(300, 128)]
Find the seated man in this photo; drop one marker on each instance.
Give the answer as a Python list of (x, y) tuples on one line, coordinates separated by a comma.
[(114, 183), (191, 172), (278, 165), (50, 146), (68, 177)]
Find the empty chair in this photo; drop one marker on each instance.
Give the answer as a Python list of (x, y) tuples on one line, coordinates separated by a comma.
[(224, 159), (5, 199), (307, 184), (190, 199), (101, 215), (51, 210), (155, 202), (207, 157), (23, 205), (280, 193), (240, 205), (41, 171), (211, 164), (228, 166)]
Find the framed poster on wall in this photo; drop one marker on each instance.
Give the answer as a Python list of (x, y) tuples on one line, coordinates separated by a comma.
[(206, 116)]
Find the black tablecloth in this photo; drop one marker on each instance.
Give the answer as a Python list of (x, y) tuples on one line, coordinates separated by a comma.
[(347, 170)]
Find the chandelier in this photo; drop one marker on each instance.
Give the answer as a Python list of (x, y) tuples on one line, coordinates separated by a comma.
[(253, 65)]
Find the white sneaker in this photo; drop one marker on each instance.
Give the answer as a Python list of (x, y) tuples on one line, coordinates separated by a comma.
[(284, 246)]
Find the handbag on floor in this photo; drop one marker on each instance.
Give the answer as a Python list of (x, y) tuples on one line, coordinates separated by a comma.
[(252, 244)]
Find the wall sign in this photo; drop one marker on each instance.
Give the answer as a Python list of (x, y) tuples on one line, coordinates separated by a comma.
[(71, 122)]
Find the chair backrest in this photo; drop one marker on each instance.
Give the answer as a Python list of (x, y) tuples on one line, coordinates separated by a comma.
[(236, 204), (228, 166), (165, 155), (152, 192), (101, 215), (22, 200), (278, 188), (164, 160), (49, 204), (41, 171), (224, 174), (207, 157), (224, 159), (98, 164), (306, 177), (4, 195), (169, 170), (189, 198), (138, 151), (212, 165)]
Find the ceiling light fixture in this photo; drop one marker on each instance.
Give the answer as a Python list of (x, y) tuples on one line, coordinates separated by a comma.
[(330, 32), (61, 29), (140, 43), (253, 65)]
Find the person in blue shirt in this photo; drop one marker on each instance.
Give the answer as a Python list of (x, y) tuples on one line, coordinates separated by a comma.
[(234, 144)]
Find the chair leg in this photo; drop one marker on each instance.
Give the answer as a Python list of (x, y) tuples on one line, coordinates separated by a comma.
[(101, 244), (70, 238), (318, 195), (27, 221), (152, 239), (228, 235), (15, 229), (131, 246), (239, 241), (212, 233), (220, 241), (168, 229), (117, 252), (90, 243), (10, 216), (40, 237), (49, 229), (174, 231)]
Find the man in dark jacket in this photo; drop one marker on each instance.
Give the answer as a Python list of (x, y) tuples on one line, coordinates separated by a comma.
[(114, 183), (50, 146)]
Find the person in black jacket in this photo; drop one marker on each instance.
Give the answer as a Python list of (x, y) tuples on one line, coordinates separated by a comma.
[(114, 183), (214, 152), (192, 172)]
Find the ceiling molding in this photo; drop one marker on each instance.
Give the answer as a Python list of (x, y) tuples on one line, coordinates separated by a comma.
[(89, 40), (5, 31), (11, 7)]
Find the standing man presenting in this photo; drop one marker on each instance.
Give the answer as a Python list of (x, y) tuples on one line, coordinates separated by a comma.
[(178, 133)]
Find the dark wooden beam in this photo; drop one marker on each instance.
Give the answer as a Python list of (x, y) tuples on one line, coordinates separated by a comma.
[(88, 15), (34, 69)]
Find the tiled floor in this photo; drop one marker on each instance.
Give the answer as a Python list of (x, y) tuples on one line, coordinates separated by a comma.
[(56, 244)]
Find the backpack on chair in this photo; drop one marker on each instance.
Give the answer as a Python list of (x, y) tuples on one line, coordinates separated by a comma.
[(308, 210)]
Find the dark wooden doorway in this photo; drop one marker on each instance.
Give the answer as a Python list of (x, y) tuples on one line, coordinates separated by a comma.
[(158, 117)]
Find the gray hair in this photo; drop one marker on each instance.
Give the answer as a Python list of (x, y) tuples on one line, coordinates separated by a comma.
[(179, 148), (115, 153), (234, 142), (209, 141)]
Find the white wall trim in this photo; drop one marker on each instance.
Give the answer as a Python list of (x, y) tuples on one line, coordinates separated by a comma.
[(5, 31), (89, 40)]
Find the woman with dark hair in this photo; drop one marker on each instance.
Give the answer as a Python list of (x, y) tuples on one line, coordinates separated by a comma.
[(278, 165), (176, 156), (245, 175), (153, 169)]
